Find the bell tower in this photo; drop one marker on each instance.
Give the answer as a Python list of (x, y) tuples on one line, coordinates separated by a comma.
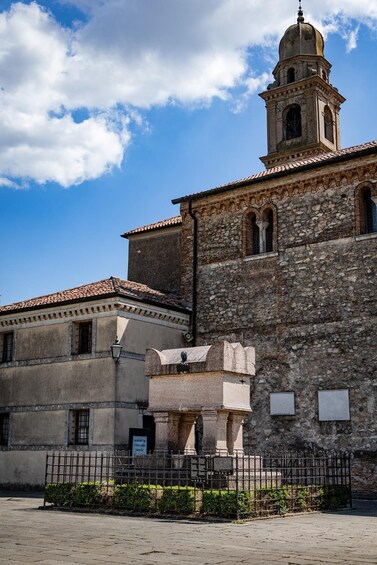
[(302, 106)]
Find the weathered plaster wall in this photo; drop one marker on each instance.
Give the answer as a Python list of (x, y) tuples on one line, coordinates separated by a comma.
[(45, 381)]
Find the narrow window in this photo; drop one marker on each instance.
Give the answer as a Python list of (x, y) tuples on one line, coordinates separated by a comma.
[(291, 75), (329, 126), (370, 212), (7, 355), (4, 429), (84, 337), (79, 427), (255, 235), (269, 231), (293, 122)]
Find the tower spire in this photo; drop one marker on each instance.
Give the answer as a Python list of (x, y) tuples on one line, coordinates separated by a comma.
[(300, 16)]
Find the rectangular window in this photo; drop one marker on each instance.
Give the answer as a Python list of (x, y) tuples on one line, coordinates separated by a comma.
[(7, 347), (79, 427), (4, 429), (82, 338), (85, 337)]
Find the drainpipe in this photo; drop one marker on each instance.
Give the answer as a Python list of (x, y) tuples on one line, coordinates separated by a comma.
[(194, 270)]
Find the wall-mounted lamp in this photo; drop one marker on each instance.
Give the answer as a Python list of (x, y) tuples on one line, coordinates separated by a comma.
[(116, 350), (142, 406)]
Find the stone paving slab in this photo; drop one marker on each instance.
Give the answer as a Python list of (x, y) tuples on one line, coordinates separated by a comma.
[(29, 535)]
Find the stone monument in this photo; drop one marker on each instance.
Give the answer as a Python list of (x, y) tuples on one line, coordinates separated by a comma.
[(212, 381)]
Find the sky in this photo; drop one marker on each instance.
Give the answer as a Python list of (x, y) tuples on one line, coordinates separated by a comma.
[(109, 109)]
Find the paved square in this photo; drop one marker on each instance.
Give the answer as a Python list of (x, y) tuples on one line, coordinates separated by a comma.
[(29, 535)]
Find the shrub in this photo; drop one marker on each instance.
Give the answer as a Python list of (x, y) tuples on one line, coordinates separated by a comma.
[(87, 495), (134, 497), (177, 500), (227, 503), (336, 496), (59, 494), (273, 500)]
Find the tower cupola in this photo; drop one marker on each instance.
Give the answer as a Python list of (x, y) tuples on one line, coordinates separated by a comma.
[(302, 106)]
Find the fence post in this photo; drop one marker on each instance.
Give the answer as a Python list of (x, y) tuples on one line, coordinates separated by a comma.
[(44, 498), (349, 478), (237, 497)]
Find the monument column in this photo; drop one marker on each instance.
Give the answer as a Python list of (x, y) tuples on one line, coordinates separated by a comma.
[(215, 431), (173, 432), (187, 433), (235, 433), (166, 431), (161, 420), (209, 431), (222, 429)]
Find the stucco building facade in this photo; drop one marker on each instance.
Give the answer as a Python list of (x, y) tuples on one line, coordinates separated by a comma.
[(60, 387)]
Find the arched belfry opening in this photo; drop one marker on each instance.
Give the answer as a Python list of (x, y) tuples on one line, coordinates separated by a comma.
[(301, 103), (292, 123), (291, 75), (328, 124)]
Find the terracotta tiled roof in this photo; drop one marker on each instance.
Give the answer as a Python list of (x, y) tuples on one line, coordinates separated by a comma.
[(176, 221), (106, 288), (287, 168)]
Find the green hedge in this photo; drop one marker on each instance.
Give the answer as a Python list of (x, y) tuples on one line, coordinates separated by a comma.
[(337, 496), (177, 500), (227, 503), (82, 495), (135, 497), (87, 495), (283, 499), (59, 494), (187, 500)]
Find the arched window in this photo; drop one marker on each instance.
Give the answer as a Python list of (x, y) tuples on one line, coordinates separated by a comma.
[(269, 218), (259, 234), (366, 209), (324, 75), (370, 212), (329, 125), (291, 75), (255, 235), (293, 122)]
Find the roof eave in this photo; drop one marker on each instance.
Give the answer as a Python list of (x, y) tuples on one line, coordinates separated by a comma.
[(248, 182), (116, 294)]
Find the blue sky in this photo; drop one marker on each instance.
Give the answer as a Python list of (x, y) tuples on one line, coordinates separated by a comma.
[(111, 108)]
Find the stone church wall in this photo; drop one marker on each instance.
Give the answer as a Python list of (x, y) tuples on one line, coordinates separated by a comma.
[(155, 259), (309, 308)]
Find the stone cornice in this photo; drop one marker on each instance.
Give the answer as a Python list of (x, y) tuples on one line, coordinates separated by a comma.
[(96, 309), (336, 176), (314, 82)]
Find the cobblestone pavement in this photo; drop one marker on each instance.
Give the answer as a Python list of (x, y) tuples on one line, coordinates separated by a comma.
[(29, 535)]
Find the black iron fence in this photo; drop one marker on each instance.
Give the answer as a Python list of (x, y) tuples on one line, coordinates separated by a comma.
[(181, 484)]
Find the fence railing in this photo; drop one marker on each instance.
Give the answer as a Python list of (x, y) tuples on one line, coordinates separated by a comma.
[(215, 485)]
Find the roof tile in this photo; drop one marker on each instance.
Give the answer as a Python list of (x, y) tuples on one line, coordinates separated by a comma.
[(284, 168), (111, 286), (175, 221)]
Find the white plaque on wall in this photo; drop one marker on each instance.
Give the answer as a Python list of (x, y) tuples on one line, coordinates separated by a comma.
[(333, 405), (282, 403)]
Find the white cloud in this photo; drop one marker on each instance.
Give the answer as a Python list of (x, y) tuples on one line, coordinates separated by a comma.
[(68, 95), (8, 183), (352, 39)]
